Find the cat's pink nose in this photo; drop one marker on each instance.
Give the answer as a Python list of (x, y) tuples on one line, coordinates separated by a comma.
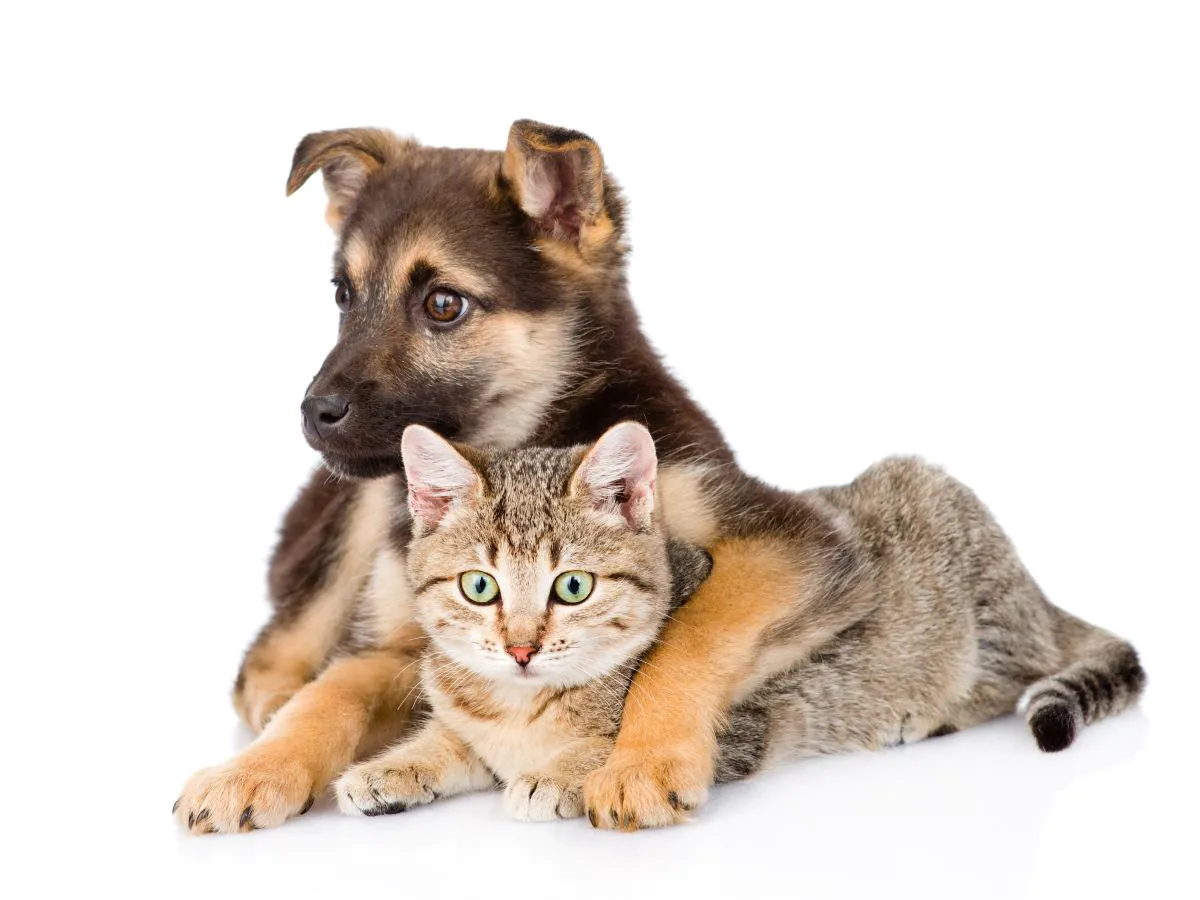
[(522, 654)]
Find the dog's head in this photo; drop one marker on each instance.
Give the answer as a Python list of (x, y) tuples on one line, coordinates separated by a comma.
[(465, 279)]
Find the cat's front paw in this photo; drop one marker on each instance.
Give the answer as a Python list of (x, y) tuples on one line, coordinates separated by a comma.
[(255, 790), (541, 798), (380, 788)]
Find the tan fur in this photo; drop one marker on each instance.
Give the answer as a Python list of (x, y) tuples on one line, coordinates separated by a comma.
[(523, 518), (272, 675), (356, 703), (498, 727), (481, 730), (387, 605), (346, 159), (528, 142), (686, 509), (530, 147), (578, 260), (358, 256), (596, 235), (434, 762), (433, 250), (287, 658), (667, 742), (534, 353), (857, 617)]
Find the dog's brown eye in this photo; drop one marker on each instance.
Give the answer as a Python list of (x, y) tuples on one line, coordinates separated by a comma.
[(445, 307), (342, 295)]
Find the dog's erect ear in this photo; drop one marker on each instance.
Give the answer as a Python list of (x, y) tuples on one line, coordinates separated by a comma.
[(440, 479), (617, 474), (346, 159), (557, 178)]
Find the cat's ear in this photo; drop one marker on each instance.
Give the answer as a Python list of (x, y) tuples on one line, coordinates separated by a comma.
[(617, 474), (440, 478)]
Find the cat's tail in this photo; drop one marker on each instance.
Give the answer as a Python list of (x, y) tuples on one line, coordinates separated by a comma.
[(1103, 678)]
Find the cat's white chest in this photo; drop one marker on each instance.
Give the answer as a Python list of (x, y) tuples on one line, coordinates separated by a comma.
[(511, 745)]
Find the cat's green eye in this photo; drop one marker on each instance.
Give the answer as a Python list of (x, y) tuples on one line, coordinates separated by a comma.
[(479, 587), (573, 587)]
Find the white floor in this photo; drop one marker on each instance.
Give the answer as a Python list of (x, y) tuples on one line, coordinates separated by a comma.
[(122, 693), (979, 814)]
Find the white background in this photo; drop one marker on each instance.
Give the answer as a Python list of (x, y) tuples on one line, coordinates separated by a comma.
[(965, 230)]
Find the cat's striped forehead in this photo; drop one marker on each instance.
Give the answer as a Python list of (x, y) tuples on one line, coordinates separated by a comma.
[(526, 498)]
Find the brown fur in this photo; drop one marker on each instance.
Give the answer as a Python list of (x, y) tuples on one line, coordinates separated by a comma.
[(282, 660), (552, 355)]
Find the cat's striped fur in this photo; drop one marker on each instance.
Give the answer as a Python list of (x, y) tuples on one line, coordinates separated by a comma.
[(959, 630), (961, 634), (548, 351), (541, 720)]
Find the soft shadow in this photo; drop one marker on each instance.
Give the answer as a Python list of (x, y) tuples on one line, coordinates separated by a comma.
[(965, 808)]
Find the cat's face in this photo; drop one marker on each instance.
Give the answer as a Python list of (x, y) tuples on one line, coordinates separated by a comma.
[(538, 567)]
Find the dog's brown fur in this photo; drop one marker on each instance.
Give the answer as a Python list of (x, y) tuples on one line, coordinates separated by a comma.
[(560, 327), (550, 353)]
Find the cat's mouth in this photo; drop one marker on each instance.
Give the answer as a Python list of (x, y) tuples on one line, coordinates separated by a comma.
[(534, 672), (525, 673)]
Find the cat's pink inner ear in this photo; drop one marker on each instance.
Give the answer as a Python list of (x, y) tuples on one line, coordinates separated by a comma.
[(618, 474), (438, 476)]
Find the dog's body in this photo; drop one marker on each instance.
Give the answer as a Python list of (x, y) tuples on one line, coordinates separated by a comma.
[(484, 295)]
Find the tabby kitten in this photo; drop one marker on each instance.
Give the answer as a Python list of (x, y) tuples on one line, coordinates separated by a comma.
[(540, 575)]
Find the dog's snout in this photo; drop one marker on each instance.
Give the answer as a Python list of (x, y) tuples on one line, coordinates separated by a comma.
[(324, 414)]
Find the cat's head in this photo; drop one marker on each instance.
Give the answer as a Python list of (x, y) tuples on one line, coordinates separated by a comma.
[(538, 566)]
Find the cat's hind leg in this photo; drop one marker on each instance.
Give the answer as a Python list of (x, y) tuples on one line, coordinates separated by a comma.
[(433, 763)]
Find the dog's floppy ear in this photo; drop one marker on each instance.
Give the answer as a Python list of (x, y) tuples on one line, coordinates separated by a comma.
[(346, 158), (557, 177)]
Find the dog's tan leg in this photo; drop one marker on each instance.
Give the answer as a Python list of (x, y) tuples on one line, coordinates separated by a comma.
[(356, 702), (662, 766), (330, 539), (286, 655)]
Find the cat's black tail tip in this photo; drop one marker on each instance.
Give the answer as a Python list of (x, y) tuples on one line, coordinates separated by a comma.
[(1105, 678), (1053, 727)]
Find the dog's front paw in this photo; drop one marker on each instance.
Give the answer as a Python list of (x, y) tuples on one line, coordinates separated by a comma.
[(379, 788), (541, 798), (646, 790), (255, 790)]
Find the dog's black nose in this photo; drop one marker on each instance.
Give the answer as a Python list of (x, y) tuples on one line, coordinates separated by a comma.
[(323, 415)]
